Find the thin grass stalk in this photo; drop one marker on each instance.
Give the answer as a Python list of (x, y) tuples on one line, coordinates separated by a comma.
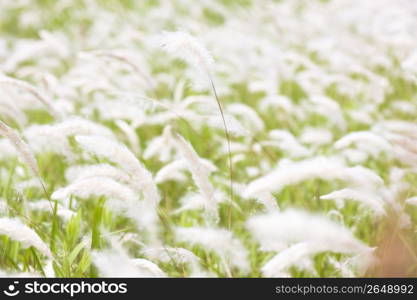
[(226, 131)]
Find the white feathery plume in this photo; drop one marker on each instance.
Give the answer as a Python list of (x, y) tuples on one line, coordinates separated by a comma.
[(199, 273), (248, 114), (268, 200), (328, 108), (276, 231), (11, 111), (297, 255), (407, 143), (286, 141), (362, 115), (20, 232), (120, 198), (192, 201), (131, 135), (48, 269), (397, 188), (188, 48), (365, 140), (130, 110), (4, 80), (178, 94), (112, 263), (171, 254), (237, 147), (44, 205), (7, 149), (41, 141), (143, 212), (200, 174), (72, 126), (220, 241), (354, 156), (364, 197), (176, 256), (277, 101), (147, 266), (412, 201), (361, 137), (115, 262), (27, 184), (21, 147), (345, 267), (160, 146), (121, 155), (96, 186), (405, 156), (199, 103), (318, 167), (398, 126), (76, 173), (125, 59), (172, 171), (316, 136), (234, 126), (54, 137)]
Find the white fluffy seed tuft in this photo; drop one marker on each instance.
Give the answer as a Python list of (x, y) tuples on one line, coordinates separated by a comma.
[(20, 232)]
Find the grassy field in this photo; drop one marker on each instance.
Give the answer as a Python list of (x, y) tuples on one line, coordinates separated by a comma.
[(208, 138)]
